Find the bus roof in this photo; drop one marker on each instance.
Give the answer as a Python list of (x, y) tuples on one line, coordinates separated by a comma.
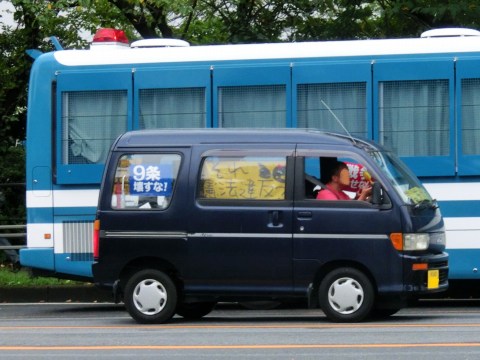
[(271, 51)]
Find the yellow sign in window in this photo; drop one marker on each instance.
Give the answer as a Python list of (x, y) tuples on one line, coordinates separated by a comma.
[(243, 178)]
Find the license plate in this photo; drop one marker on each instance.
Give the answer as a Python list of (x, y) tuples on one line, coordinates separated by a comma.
[(433, 279)]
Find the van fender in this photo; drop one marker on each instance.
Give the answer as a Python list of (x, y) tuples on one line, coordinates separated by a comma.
[(117, 292), (312, 297)]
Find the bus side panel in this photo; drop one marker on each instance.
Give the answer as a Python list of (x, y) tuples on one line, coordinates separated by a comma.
[(39, 196), (460, 206)]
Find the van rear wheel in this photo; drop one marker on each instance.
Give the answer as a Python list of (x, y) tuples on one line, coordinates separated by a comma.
[(346, 295), (150, 297)]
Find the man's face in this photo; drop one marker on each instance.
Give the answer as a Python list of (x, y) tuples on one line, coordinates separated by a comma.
[(344, 177)]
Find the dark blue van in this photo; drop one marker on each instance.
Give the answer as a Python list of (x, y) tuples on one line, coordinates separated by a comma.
[(188, 218)]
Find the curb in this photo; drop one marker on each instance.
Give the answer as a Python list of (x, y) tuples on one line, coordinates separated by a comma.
[(84, 293)]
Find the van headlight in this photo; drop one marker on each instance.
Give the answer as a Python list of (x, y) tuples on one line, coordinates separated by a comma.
[(416, 241)]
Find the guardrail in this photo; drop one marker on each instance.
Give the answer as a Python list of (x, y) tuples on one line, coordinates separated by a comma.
[(16, 235)]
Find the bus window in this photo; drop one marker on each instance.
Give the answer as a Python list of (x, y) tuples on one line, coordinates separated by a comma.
[(172, 108), (470, 116), (252, 106), (414, 117), (347, 101), (91, 120)]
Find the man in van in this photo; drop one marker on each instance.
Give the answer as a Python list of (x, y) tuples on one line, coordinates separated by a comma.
[(336, 180)]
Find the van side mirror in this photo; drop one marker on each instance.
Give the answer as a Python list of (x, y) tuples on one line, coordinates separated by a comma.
[(377, 194)]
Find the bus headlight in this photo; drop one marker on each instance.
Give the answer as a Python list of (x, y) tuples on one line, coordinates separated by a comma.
[(416, 241)]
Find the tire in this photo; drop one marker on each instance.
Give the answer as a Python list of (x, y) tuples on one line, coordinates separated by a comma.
[(346, 295), (150, 297), (195, 311)]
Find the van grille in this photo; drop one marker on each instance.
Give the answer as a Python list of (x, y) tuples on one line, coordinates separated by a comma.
[(77, 240), (442, 266)]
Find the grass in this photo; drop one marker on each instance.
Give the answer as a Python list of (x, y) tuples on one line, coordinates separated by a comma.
[(23, 278)]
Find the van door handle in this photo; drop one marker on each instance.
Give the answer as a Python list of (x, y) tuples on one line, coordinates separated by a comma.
[(304, 215)]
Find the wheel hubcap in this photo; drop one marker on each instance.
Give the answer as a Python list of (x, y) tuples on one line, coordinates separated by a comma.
[(149, 297), (345, 295)]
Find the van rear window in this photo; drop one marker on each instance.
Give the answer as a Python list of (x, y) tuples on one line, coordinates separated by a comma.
[(243, 178), (145, 181)]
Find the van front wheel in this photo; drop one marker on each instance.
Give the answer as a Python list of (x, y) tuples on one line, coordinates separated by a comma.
[(150, 297), (346, 295)]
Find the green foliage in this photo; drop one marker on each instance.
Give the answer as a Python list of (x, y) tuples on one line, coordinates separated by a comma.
[(411, 17), (334, 20), (14, 74), (12, 189), (14, 69), (22, 278)]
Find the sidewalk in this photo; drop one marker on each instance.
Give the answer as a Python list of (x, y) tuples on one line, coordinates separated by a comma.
[(82, 293)]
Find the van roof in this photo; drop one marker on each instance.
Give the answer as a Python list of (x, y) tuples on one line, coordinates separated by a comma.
[(179, 137)]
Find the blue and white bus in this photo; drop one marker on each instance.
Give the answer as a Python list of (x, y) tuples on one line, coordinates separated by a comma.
[(419, 97)]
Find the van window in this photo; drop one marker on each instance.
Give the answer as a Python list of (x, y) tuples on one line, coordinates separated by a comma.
[(317, 172), (145, 181), (243, 178)]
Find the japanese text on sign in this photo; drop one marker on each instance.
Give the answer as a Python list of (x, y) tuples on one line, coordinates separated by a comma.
[(150, 180), (359, 177), (244, 179)]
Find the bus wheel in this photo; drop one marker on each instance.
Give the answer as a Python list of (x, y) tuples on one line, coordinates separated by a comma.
[(346, 295), (150, 297), (195, 310)]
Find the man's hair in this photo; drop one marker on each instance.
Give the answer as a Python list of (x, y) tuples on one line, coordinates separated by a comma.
[(333, 170)]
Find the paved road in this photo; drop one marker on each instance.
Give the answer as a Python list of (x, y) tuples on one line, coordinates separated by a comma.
[(432, 331)]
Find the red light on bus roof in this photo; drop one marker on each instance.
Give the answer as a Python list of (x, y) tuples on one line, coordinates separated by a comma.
[(110, 35)]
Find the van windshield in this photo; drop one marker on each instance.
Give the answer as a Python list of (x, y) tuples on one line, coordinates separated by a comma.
[(406, 184)]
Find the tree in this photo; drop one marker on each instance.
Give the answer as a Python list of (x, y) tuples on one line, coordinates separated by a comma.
[(14, 71), (401, 18)]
